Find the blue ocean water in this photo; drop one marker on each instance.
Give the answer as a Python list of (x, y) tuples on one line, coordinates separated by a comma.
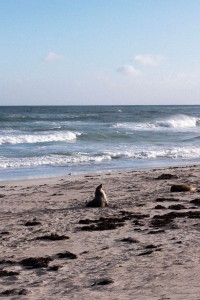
[(58, 140)]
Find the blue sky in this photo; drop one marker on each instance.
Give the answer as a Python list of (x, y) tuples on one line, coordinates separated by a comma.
[(99, 52)]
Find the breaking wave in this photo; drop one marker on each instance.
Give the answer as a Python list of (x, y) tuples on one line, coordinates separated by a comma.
[(173, 122), (37, 138), (51, 160), (95, 158), (179, 121), (156, 153)]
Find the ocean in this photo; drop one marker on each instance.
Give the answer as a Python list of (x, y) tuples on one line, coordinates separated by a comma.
[(45, 141)]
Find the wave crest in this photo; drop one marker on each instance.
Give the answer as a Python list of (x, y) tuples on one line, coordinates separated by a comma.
[(39, 138), (178, 121), (173, 122)]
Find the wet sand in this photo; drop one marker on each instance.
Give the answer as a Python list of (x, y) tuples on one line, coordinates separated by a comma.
[(144, 245)]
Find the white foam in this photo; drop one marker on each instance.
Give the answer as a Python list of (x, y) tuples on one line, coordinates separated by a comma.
[(155, 153), (51, 160), (174, 122), (178, 121), (37, 138), (86, 158)]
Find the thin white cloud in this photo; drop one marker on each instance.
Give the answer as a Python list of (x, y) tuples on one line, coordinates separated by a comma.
[(149, 59), (129, 71), (52, 56)]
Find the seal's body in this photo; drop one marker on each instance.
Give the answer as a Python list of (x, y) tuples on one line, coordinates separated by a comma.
[(100, 199), (183, 188)]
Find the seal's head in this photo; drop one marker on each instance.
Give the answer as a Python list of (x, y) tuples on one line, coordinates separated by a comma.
[(99, 188)]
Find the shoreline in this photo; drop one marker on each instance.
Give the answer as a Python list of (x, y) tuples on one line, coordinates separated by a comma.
[(60, 175), (144, 245), (102, 171)]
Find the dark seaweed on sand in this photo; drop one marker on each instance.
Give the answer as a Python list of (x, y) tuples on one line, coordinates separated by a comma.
[(68, 255), (103, 282), (102, 224), (52, 237), (32, 223), (5, 273), (36, 262), (14, 292)]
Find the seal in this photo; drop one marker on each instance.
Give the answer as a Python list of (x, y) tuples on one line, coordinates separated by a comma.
[(100, 199), (183, 188)]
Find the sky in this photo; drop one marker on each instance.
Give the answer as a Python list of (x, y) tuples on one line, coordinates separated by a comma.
[(97, 52)]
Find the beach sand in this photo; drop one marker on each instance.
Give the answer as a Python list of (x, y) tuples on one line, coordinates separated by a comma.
[(144, 245)]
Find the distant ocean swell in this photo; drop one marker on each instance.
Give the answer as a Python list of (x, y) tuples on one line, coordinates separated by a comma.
[(178, 122)]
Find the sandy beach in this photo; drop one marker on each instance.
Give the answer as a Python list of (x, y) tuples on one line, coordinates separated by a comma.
[(144, 245)]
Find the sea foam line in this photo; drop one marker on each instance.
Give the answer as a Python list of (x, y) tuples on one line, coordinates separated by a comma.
[(51, 160), (39, 138), (98, 158), (155, 153)]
